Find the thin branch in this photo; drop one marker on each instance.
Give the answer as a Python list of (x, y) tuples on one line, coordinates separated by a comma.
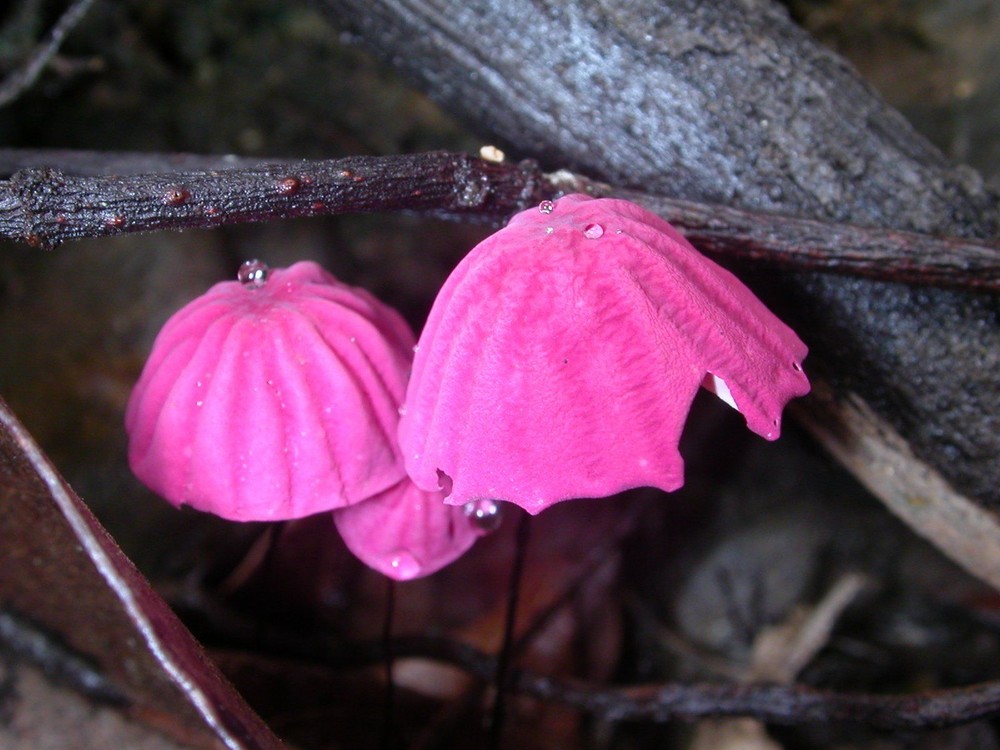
[(811, 245), (790, 705), (776, 704), (46, 206), (21, 79)]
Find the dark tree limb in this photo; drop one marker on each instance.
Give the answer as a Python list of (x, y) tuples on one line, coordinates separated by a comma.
[(801, 244), (790, 705), (46, 206), (21, 79), (776, 704)]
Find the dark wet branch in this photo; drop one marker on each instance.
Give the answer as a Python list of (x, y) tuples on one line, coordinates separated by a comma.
[(776, 704), (21, 79), (46, 206), (75, 196), (808, 244)]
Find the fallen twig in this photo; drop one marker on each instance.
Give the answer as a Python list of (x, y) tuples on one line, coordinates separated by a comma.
[(21, 79), (45, 206), (770, 703)]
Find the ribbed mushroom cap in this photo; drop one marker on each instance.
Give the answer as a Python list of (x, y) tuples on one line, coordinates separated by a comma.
[(273, 398), (561, 357)]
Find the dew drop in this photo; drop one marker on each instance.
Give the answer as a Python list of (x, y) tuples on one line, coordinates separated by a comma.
[(403, 565), (485, 514), (549, 230), (253, 274), (593, 231), (546, 207)]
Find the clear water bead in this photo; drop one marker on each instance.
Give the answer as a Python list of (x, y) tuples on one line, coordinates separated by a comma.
[(253, 274), (593, 231), (404, 565), (546, 207), (484, 513)]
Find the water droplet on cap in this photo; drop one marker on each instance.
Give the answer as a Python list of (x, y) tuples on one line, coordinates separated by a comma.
[(593, 231), (485, 514), (253, 274), (546, 207), (404, 565)]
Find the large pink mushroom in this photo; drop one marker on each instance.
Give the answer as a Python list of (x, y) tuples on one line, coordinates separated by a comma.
[(562, 355), (272, 397)]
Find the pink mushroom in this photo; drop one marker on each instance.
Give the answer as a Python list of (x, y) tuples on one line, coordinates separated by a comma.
[(272, 397), (406, 532), (562, 355)]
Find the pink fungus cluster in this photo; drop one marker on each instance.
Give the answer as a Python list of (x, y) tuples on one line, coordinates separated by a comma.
[(559, 360), (277, 396)]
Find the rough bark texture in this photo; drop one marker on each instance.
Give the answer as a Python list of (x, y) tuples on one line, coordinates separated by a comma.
[(731, 102), (44, 207)]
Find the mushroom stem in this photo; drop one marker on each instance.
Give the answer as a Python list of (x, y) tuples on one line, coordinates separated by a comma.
[(388, 716), (502, 676)]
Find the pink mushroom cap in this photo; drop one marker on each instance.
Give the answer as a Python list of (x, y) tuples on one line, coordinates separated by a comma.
[(272, 400), (406, 532), (562, 355)]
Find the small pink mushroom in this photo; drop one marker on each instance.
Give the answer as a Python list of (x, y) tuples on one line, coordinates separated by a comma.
[(272, 397), (562, 355), (406, 532)]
